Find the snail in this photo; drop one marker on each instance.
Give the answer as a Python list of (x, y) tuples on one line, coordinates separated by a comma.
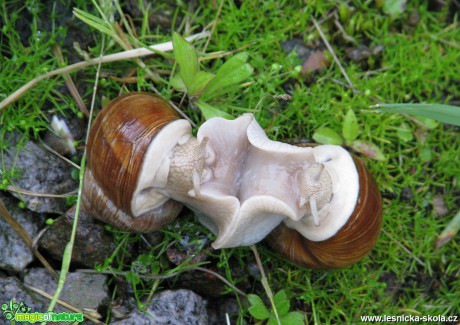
[(144, 164), (349, 245), (116, 155)]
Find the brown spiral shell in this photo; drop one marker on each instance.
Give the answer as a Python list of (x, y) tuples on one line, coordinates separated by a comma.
[(351, 243), (118, 138)]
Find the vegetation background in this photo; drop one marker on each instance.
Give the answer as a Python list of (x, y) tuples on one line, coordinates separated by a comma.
[(390, 51)]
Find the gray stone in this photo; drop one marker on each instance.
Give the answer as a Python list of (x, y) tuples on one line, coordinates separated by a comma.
[(41, 172), (170, 307), (15, 254), (12, 289), (82, 290), (93, 243)]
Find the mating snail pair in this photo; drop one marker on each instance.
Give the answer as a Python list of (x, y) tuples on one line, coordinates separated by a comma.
[(319, 206)]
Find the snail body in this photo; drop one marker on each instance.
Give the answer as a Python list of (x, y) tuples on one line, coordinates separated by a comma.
[(349, 245), (144, 163)]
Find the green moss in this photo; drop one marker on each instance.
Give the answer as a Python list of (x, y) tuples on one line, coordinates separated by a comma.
[(403, 274)]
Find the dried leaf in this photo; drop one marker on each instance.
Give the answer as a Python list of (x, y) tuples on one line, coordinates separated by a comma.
[(368, 149), (450, 231), (439, 206), (315, 62)]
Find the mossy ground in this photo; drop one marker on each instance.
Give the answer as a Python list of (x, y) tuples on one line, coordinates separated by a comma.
[(420, 62)]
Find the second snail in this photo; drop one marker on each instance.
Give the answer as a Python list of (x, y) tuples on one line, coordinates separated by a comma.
[(319, 206)]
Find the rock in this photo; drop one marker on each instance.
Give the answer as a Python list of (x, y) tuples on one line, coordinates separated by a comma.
[(82, 290), (170, 307), (12, 289), (41, 172), (92, 243), (298, 45), (15, 254)]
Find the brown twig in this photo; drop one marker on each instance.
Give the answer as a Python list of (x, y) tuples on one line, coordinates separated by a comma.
[(57, 154), (37, 194), (331, 50), (221, 54), (162, 47), (69, 82), (264, 281), (64, 304), (214, 24), (342, 31)]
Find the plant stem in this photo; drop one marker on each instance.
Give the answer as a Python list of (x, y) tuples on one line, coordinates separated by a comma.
[(265, 284), (162, 47)]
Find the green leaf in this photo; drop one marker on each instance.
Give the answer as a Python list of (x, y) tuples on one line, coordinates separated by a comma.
[(444, 113), (425, 155), (428, 122), (232, 72), (177, 83), (93, 21), (211, 111), (327, 136), (293, 318), (404, 133), (186, 58), (350, 128), (394, 8), (281, 303), (200, 82), (368, 149), (133, 278), (257, 309)]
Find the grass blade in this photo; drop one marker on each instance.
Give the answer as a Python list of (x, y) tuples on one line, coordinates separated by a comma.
[(93, 21), (444, 113)]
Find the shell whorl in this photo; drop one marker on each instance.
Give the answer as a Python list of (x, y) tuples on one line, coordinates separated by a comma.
[(118, 139), (350, 244)]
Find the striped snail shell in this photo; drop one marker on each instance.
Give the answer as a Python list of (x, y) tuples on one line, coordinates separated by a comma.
[(116, 156)]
